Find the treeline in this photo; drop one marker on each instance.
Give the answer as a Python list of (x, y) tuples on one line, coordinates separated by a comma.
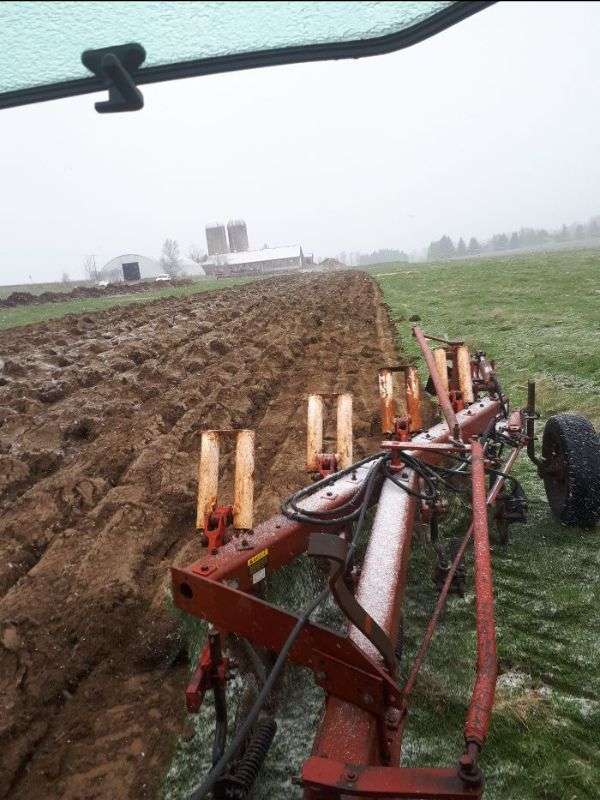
[(523, 238), (383, 256)]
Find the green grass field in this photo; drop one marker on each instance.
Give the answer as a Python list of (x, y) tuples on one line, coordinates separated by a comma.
[(24, 315), (539, 318)]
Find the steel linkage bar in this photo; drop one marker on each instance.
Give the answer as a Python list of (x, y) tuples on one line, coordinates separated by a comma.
[(440, 389)]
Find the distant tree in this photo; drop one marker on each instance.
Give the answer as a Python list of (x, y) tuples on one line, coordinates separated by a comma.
[(514, 241), (499, 241), (443, 248), (169, 259), (594, 228), (447, 249), (563, 235), (461, 248), (474, 247), (65, 278), (433, 251), (197, 255), (383, 256), (90, 269), (580, 232), (543, 236)]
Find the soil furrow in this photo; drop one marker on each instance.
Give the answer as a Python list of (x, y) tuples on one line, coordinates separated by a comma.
[(92, 669)]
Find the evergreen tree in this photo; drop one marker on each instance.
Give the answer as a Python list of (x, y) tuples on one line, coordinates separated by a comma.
[(474, 247), (447, 249), (461, 248), (499, 241)]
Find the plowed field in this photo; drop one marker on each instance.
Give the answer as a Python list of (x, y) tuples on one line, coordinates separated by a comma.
[(100, 418)]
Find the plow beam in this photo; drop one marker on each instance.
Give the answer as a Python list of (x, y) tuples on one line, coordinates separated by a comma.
[(482, 700), (347, 734), (328, 780)]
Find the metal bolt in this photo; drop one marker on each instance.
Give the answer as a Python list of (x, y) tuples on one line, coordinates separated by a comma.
[(351, 776), (367, 699), (321, 676), (392, 718)]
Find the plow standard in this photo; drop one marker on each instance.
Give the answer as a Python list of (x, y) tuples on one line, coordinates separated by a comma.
[(407, 483)]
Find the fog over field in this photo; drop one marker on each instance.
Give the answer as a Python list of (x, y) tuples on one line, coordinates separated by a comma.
[(488, 127)]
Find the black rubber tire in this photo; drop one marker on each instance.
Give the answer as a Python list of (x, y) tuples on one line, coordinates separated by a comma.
[(571, 445)]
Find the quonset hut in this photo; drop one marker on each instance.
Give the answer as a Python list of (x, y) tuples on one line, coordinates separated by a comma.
[(130, 267)]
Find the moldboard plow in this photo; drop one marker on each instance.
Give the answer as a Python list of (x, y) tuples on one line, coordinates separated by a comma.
[(469, 455)]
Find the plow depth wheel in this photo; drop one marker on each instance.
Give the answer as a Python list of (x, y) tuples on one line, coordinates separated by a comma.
[(571, 469)]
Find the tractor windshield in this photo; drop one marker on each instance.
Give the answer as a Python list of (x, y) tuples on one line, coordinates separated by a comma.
[(41, 44)]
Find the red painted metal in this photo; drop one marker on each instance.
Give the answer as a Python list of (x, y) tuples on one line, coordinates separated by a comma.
[(215, 526), (365, 710), (283, 539), (346, 733), (443, 595), (441, 448), (482, 700), (440, 390), (340, 666), (326, 464), (207, 675), (329, 779)]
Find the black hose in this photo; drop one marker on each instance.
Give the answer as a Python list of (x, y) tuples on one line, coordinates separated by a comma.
[(333, 516)]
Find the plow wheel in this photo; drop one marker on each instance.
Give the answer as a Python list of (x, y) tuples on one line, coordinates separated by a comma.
[(571, 469)]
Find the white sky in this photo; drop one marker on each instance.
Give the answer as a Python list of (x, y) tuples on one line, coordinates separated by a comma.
[(488, 126)]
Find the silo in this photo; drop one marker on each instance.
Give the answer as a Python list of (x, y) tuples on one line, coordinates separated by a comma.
[(216, 239), (238, 236)]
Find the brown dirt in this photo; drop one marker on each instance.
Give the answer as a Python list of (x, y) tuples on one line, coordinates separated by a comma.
[(28, 299), (99, 439)]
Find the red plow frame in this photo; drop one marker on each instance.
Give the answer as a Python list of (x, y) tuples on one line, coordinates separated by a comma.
[(359, 740)]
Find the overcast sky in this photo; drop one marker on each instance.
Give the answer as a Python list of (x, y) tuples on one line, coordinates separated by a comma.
[(488, 126)]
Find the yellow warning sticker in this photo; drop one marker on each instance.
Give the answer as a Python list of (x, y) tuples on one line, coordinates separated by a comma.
[(258, 561)]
